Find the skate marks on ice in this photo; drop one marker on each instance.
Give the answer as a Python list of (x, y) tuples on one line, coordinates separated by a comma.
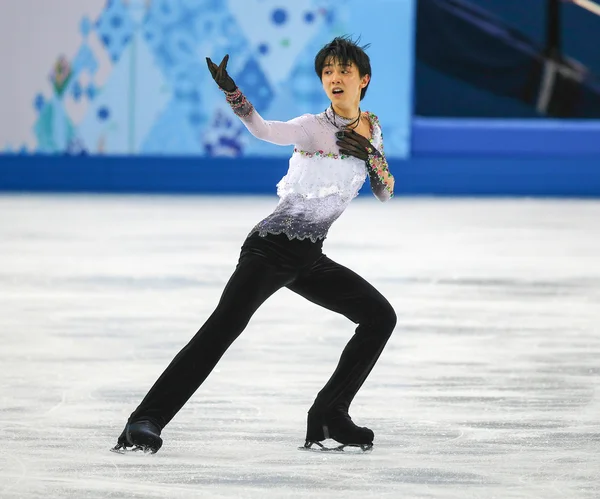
[(488, 387)]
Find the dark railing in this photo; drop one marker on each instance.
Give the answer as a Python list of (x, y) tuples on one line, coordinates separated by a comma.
[(554, 24), (553, 31)]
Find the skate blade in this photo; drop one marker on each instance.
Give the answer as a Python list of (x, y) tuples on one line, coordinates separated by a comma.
[(121, 449), (361, 448)]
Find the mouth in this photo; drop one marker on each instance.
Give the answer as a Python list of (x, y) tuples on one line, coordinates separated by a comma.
[(337, 91)]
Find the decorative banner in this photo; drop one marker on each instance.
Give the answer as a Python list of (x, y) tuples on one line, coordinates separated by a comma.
[(156, 96)]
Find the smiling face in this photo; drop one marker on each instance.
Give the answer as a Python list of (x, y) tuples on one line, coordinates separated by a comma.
[(343, 83)]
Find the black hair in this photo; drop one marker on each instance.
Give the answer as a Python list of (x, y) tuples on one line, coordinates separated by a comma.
[(345, 50)]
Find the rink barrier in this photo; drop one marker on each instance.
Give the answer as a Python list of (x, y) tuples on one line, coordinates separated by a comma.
[(512, 138), (450, 157)]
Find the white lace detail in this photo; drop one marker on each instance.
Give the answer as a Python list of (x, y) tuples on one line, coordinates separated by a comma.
[(318, 177)]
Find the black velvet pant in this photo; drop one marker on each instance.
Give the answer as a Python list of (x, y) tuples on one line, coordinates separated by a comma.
[(267, 264)]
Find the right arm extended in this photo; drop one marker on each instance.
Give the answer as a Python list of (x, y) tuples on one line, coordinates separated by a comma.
[(282, 133)]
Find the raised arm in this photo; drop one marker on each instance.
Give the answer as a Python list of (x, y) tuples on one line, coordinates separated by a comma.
[(382, 181), (283, 133)]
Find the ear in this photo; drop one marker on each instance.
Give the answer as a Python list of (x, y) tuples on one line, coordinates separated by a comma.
[(365, 81)]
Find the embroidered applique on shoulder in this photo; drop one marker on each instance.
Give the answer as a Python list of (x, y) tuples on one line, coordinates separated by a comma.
[(375, 128)]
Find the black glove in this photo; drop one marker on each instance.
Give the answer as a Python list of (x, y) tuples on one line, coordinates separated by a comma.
[(354, 144), (220, 75)]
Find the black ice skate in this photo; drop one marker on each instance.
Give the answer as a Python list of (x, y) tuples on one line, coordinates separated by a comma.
[(339, 426), (140, 435)]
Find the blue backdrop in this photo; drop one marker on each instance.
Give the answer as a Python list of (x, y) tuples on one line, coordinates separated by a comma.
[(156, 96), (129, 106)]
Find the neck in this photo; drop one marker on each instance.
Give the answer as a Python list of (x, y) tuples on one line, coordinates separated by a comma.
[(349, 112)]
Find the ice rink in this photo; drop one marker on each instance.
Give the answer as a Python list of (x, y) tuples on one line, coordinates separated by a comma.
[(488, 388)]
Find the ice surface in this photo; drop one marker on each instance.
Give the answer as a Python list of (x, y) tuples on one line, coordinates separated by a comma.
[(489, 387)]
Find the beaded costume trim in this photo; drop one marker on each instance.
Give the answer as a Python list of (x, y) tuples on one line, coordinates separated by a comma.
[(376, 162), (321, 154), (277, 232), (378, 166), (241, 106)]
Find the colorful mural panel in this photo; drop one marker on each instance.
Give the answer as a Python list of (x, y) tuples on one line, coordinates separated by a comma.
[(155, 96)]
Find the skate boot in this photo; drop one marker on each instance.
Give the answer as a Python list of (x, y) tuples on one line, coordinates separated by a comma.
[(141, 435), (337, 425)]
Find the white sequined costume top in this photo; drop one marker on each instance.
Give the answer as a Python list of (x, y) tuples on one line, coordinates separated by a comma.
[(320, 183)]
